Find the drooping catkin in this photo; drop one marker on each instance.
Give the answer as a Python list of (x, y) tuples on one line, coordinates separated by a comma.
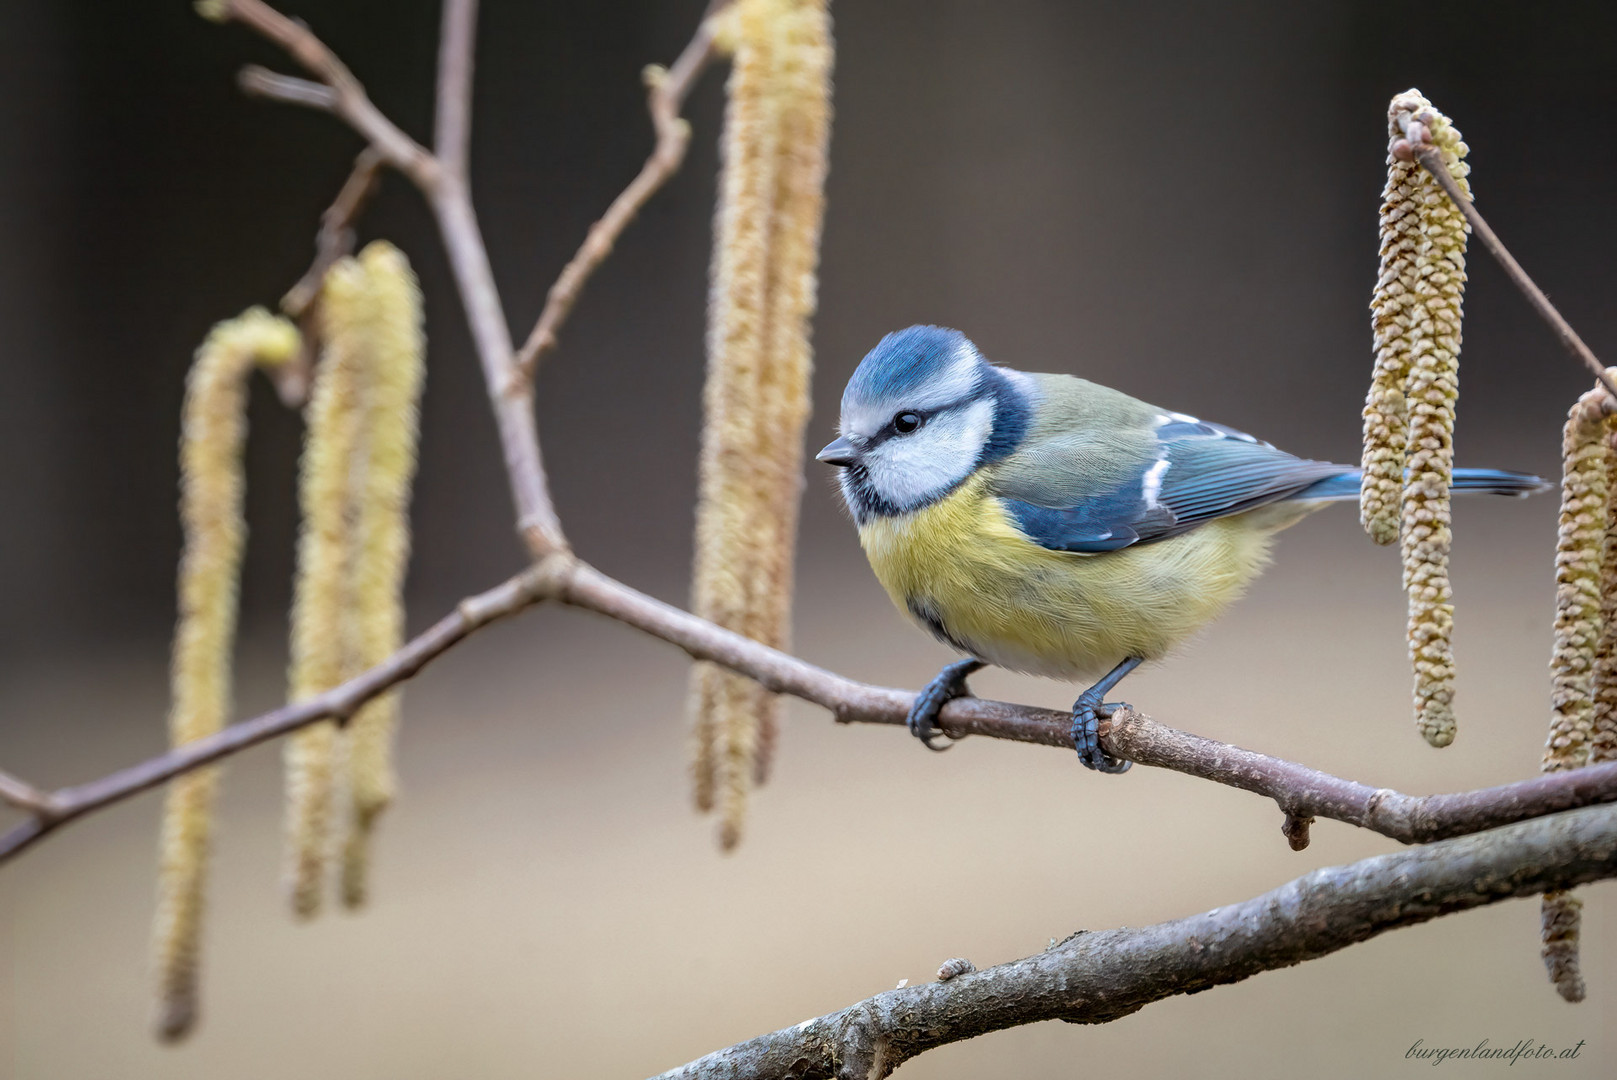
[(726, 705), (1581, 668), (1603, 684), (1579, 561), (324, 649), (212, 435), (396, 371), (1386, 415), (1560, 927), (1409, 413), (803, 85), (761, 300)]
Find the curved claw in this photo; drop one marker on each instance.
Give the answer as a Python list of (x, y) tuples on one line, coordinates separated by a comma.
[(1087, 710), (1086, 736), (949, 684)]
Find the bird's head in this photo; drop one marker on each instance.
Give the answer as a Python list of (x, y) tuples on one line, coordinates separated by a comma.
[(922, 412)]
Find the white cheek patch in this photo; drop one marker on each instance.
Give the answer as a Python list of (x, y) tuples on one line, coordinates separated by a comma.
[(911, 470)]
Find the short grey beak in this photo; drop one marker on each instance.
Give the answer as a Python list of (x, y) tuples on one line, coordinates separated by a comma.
[(840, 453)]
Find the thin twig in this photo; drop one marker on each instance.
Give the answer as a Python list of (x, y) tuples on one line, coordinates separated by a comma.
[(1100, 976), (350, 101), (457, 49), (1419, 146), (336, 236), (256, 81), (666, 94), (446, 191), (334, 240), (25, 796), (1297, 789), (340, 702)]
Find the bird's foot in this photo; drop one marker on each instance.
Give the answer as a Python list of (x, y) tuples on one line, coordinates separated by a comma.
[(1086, 715), (949, 684)]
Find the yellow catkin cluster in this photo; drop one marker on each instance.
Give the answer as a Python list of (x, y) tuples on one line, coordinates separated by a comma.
[(762, 298), (1579, 562), (358, 463), (212, 434), (1409, 412), (397, 352), (1603, 680), (1583, 669)]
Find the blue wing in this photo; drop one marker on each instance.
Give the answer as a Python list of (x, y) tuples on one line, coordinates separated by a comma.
[(1197, 472)]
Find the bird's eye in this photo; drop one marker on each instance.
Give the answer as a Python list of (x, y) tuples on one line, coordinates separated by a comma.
[(906, 422)]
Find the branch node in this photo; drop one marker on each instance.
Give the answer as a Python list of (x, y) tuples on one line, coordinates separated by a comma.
[(1295, 829)]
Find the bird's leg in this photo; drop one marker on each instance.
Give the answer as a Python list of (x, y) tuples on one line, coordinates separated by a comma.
[(1085, 726), (949, 684)]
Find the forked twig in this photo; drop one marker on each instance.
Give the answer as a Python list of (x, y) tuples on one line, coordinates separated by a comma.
[(1418, 146), (665, 97)]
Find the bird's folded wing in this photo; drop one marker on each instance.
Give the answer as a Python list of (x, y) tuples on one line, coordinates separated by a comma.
[(1189, 473)]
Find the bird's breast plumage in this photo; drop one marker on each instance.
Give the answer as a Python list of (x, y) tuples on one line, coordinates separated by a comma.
[(963, 569)]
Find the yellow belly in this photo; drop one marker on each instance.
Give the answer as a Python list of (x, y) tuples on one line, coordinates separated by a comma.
[(963, 569)]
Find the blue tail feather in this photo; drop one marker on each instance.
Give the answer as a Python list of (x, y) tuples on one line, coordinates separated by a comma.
[(1345, 485)]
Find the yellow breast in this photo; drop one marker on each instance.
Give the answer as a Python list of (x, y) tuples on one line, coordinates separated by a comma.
[(963, 569)]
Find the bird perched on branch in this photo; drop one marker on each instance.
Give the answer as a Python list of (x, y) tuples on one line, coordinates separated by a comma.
[(1049, 525)]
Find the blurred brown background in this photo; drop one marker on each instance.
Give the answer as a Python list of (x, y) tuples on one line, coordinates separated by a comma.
[(1178, 199)]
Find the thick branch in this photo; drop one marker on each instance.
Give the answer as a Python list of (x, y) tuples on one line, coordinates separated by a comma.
[(666, 94), (1093, 978), (1300, 792)]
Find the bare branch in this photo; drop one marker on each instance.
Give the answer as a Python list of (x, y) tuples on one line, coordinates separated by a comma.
[(339, 702), (1419, 146), (666, 94), (336, 236), (1300, 792), (457, 48), (446, 191), (1097, 977), (1305, 793), (350, 100), (334, 240), (25, 796), (509, 394)]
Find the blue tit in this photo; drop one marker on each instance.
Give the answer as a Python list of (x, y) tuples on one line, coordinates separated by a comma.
[(1050, 525)]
